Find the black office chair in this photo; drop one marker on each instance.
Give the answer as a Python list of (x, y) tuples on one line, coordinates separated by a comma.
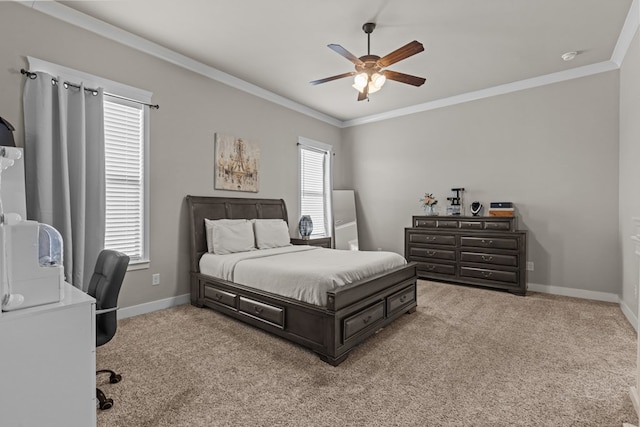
[(104, 287)]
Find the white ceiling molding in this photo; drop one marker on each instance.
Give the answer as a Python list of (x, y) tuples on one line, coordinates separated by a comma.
[(547, 79), (111, 32), (126, 38), (626, 35)]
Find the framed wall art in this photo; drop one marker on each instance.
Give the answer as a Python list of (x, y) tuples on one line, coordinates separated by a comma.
[(237, 162)]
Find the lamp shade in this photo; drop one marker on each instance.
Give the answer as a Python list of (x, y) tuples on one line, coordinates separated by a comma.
[(6, 134)]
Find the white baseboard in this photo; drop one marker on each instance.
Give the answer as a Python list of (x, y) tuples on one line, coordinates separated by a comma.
[(572, 292), (149, 307), (594, 295), (628, 313)]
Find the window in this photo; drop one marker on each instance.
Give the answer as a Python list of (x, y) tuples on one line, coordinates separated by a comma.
[(126, 160), (124, 178), (314, 164)]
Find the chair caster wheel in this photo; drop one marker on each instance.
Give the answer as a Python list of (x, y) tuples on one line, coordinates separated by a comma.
[(115, 378), (107, 404)]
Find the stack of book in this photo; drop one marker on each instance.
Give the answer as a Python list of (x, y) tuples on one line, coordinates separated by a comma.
[(501, 209)]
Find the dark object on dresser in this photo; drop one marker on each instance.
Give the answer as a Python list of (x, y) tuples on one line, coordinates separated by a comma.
[(353, 313), (471, 250)]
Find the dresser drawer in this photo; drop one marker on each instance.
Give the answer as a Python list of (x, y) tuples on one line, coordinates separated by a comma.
[(424, 222), (438, 239), (219, 296), (268, 313), (361, 320), (415, 252), (430, 267), (490, 242), (471, 225), (485, 258), (497, 225), (401, 299), (489, 274)]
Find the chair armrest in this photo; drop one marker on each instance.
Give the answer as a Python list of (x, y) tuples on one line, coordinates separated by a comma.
[(106, 310)]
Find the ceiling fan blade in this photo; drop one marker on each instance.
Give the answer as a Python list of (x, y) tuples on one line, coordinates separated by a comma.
[(404, 78), (344, 52), (404, 52), (328, 79)]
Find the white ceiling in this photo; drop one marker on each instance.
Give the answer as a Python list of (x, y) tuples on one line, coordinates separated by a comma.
[(281, 45)]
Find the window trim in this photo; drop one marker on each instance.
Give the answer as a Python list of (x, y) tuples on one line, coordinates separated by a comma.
[(120, 89), (328, 149)]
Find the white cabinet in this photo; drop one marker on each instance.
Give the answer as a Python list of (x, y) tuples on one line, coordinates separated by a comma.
[(47, 364)]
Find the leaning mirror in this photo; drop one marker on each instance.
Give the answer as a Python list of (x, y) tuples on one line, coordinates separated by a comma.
[(344, 219)]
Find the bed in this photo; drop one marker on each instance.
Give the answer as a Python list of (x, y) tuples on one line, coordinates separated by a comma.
[(346, 316)]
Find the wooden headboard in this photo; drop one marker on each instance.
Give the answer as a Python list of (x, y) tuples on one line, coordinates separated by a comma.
[(225, 208)]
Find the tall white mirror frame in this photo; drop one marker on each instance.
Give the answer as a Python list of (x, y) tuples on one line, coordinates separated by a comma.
[(345, 232)]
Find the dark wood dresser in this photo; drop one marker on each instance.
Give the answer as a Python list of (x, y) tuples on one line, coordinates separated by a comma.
[(469, 250)]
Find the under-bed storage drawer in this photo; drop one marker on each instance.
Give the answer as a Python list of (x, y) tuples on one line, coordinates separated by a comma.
[(262, 311), (401, 299), (361, 320), (220, 296)]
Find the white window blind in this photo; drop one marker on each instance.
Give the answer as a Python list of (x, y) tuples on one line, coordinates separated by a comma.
[(315, 186), (124, 170)]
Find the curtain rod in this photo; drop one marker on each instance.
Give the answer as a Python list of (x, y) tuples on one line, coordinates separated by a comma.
[(32, 76)]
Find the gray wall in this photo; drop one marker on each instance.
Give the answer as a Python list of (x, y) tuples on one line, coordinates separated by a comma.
[(551, 150), (629, 170), (192, 109)]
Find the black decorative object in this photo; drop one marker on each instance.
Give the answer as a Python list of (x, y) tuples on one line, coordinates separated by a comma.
[(6, 134), (305, 226), (456, 202), (476, 207)]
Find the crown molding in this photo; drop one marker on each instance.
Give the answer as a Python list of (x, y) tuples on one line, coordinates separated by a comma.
[(73, 17), (547, 79), (78, 19)]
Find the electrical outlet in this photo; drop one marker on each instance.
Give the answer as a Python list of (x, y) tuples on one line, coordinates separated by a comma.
[(155, 279), (529, 265)]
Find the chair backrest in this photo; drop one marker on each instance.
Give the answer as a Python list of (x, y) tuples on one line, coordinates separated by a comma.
[(104, 286)]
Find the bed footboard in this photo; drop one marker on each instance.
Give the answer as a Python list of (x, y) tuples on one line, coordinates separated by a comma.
[(355, 312)]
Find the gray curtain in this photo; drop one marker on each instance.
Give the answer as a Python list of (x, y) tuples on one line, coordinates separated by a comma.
[(64, 169)]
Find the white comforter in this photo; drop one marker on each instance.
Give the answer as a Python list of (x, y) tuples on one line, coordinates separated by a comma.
[(304, 273)]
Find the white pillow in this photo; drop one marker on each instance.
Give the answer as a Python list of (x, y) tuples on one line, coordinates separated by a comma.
[(226, 236), (271, 233)]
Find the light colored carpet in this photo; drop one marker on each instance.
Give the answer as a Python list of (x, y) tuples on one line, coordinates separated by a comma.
[(466, 357)]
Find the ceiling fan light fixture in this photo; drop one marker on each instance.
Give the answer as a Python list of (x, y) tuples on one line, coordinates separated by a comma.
[(360, 81)]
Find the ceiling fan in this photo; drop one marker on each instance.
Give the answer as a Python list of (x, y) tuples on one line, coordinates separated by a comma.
[(370, 74)]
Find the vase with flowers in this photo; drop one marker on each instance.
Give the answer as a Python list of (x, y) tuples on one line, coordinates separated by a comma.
[(428, 203)]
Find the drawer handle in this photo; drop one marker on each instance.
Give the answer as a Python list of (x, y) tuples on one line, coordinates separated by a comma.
[(431, 253), (432, 238), (487, 242), (487, 258), (403, 298), (486, 274), (257, 309), (218, 297), (365, 321), (431, 267)]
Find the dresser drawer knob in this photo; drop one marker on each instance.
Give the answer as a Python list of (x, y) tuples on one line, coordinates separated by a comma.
[(366, 320), (403, 298), (486, 258), (431, 267), (257, 309), (486, 273), (431, 253), (431, 238), (487, 242)]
